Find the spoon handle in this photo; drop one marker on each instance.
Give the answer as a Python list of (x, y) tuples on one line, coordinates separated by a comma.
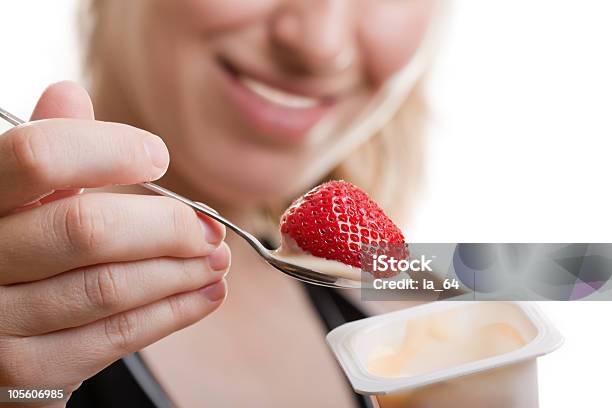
[(204, 209)]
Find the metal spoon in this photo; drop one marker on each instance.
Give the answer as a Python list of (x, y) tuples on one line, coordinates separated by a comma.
[(295, 271)]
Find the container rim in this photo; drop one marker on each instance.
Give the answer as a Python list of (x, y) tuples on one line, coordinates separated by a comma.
[(547, 339)]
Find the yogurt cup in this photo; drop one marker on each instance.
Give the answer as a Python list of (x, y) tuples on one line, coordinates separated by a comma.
[(447, 354)]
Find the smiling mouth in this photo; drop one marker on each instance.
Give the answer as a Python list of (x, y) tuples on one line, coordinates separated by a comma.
[(276, 110), (277, 96), (273, 94)]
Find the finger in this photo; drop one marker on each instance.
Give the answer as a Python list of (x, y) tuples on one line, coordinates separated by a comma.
[(64, 99), (98, 228), (85, 295), (83, 351), (40, 157)]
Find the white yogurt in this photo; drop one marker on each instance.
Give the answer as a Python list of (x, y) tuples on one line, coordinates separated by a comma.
[(290, 252), (443, 340)]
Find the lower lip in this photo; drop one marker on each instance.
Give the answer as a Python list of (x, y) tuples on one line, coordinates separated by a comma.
[(270, 119)]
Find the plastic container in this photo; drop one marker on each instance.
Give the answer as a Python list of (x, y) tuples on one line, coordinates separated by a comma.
[(447, 354)]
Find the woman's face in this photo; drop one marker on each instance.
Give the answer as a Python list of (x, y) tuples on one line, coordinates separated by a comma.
[(250, 95)]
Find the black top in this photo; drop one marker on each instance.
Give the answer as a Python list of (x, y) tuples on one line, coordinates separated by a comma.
[(129, 383)]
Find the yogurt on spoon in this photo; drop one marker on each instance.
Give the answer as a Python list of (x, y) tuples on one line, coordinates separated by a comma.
[(291, 252)]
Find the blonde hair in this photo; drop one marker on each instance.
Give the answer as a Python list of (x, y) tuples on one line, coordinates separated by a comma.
[(389, 165)]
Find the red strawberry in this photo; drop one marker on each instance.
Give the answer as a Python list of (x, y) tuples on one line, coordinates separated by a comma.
[(335, 219)]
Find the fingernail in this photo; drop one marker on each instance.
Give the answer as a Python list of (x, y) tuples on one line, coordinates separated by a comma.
[(215, 291), (157, 151), (213, 231), (220, 259)]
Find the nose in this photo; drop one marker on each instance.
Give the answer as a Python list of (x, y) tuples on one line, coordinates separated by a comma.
[(315, 35)]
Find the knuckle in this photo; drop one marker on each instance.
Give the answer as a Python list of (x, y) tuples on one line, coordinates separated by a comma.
[(130, 146), (120, 332), (177, 306), (84, 224), (127, 148), (184, 223), (192, 270), (101, 288), (30, 149), (181, 218)]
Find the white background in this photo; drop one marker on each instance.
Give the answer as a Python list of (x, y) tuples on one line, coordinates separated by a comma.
[(520, 147)]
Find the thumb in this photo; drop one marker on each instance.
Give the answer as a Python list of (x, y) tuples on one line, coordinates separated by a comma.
[(64, 99)]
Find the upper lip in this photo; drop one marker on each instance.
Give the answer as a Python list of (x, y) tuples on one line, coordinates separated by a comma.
[(326, 89)]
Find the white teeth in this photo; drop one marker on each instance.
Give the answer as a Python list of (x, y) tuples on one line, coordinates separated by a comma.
[(277, 96)]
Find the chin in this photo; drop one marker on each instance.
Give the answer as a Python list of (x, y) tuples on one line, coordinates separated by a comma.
[(238, 185), (271, 187)]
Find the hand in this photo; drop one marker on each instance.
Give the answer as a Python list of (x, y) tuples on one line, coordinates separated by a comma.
[(88, 278)]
